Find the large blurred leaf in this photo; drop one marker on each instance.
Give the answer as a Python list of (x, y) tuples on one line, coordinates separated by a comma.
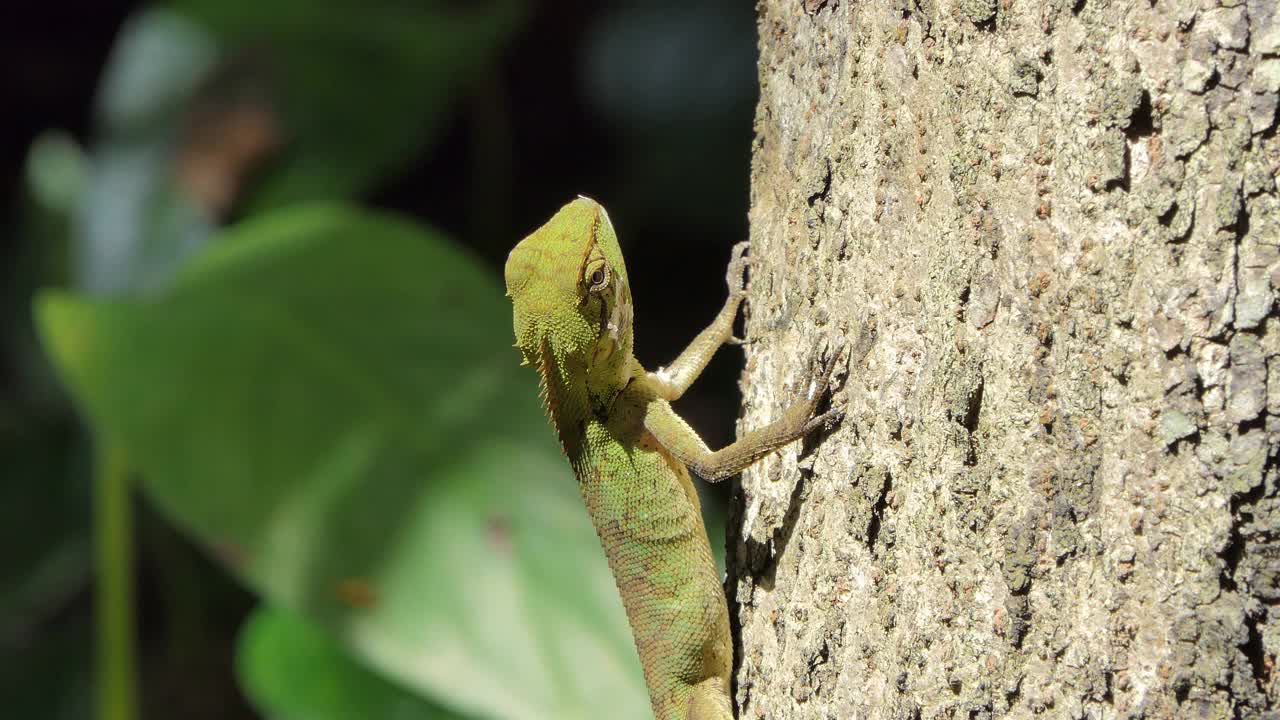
[(330, 399), (294, 671), (363, 84)]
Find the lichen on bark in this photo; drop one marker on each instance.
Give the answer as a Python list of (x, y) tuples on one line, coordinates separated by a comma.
[(1049, 234)]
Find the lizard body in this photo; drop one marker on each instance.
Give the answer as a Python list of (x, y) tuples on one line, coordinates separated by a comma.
[(632, 453)]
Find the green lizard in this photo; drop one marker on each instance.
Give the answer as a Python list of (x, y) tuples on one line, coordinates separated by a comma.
[(631, 452)]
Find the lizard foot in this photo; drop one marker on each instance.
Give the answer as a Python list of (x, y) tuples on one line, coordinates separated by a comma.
[(825, 364), (736, 275)]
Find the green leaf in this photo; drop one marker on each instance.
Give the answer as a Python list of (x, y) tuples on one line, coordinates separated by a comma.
[(329, 399), (292, 670), (362, 85)]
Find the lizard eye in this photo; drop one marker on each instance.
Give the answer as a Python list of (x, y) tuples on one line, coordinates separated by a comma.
[(597, 277)]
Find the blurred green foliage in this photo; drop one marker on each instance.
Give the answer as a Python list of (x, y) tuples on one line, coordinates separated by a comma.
[(296, 671), (328, 398), (360, 85), (323, 398)]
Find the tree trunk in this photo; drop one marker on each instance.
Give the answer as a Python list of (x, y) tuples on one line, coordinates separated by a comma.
[(1048, 234)]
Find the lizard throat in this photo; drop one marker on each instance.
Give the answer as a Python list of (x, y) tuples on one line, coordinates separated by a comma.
[(546, 366), (552, 391)]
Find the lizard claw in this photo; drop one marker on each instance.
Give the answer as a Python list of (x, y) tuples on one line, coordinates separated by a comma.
[(824, 364), (736, 276)]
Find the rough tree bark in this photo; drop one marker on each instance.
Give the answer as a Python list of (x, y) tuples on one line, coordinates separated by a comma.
[(1049, 231)]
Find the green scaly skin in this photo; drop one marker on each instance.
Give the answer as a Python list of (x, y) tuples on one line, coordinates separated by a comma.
[(632, 453)]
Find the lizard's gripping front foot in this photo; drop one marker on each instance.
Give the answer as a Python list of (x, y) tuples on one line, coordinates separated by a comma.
[(673, 434), (736, 278), (736, 275), (822, 368)]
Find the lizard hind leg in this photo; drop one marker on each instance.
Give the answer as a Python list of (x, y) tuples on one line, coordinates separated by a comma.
[(708, 701)]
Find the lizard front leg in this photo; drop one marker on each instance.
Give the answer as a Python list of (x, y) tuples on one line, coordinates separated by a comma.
[(674, 434), (670, 382)]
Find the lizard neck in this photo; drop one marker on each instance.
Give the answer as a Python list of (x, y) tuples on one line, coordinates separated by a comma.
[(563, 381), (610, 369), (576, 390)]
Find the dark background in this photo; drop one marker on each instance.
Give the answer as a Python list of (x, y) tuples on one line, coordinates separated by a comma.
[(645, 106)]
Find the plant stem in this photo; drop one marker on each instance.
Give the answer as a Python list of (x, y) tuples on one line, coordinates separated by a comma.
[(113, 526)]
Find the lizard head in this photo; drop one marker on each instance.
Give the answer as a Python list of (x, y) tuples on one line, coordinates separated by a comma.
[(568, 285)]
